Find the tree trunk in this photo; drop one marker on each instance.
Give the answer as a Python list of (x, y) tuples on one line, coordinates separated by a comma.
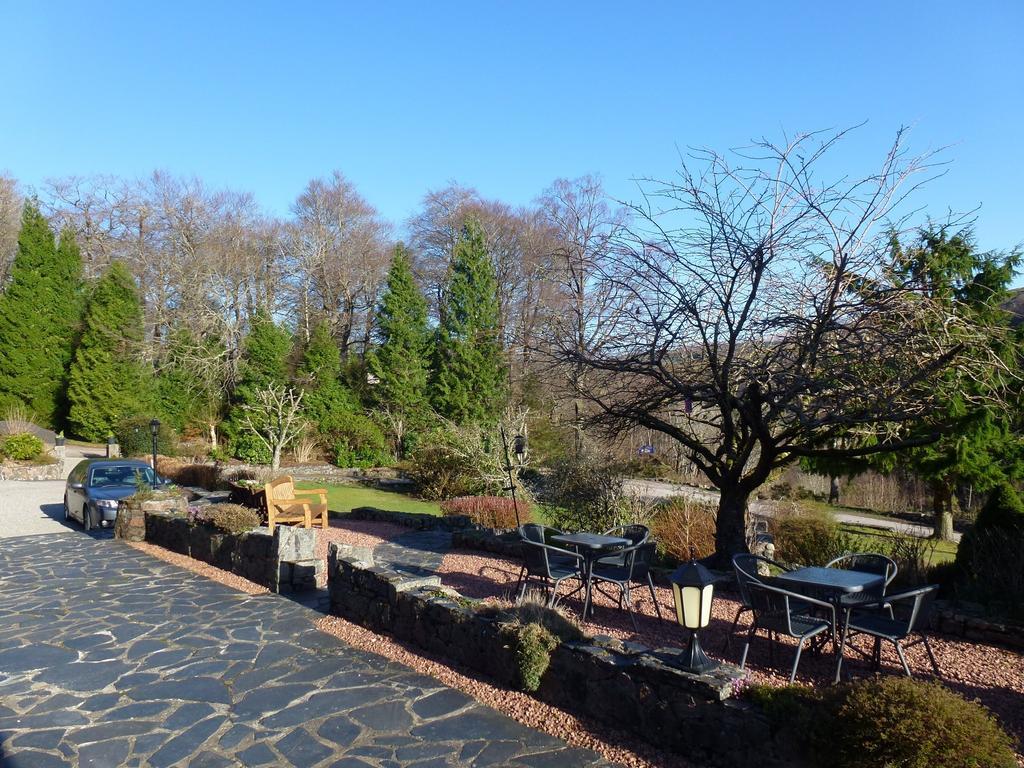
[(213, 436), (942, 510), (833, 489), (275, 461), (731, 527)]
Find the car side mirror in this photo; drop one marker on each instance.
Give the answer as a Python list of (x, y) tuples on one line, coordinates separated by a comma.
[(76, 486)]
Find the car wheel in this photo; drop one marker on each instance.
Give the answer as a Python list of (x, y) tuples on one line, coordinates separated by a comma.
[(86, 518)]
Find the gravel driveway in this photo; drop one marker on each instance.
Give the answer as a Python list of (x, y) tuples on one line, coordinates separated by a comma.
[(30, 508)]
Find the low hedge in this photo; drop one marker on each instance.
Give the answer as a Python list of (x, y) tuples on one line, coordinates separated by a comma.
[(891, 722)]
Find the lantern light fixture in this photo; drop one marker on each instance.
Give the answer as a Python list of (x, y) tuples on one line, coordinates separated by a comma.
[(693, 590)]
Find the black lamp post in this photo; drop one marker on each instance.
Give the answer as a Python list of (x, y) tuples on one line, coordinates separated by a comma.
[(519, 449), (154, 430), (693, 590)]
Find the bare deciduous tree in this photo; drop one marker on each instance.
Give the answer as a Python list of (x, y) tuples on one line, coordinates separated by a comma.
[(755, 317), (276, 419), (10, 223)]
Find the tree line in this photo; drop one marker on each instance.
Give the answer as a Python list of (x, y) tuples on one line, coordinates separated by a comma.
[(750, 313)]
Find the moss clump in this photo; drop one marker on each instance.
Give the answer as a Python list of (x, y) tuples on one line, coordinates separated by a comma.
[(531, 646)]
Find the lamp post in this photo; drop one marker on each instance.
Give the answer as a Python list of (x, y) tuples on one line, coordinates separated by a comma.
[(519, 449), (693, 590), (154, 430)]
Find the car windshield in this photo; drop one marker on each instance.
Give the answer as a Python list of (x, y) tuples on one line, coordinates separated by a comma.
[(120, 474)]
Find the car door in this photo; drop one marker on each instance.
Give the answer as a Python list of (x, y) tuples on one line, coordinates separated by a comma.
[(76, 495)]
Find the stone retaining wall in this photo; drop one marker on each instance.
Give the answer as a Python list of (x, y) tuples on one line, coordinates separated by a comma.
[(419, 521), (950, 621), (16, 471), (284, 561), (623, 685)]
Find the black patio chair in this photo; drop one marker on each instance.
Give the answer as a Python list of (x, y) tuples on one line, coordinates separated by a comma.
[(911, 612), (546, 565), (637, 570), (865, 562), (637, 534), (748, 568), (781, 612)]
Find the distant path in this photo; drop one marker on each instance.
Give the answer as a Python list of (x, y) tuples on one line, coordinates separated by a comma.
[(656, 489)]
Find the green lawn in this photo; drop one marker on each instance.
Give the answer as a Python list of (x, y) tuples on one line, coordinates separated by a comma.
[(342, 498), (870, 538)]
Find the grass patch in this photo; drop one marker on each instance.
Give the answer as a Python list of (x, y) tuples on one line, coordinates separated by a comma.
[(874, 539), (344, 498)]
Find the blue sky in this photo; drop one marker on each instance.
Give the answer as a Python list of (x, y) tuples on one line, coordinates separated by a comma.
[(404, 97)]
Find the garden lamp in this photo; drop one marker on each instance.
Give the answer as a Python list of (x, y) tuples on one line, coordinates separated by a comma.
[(693, 589), (154, 430)]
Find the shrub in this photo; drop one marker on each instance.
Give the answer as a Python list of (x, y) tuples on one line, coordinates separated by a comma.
[(249, 448), (134, 437), (488, 511), (891, 721), (806, 536), (361, 443), (233, 518), (682, 523), (991, 554), (22, 447), (912, 555), (441, 473), (585, 493), (531, 646), (192, 474)]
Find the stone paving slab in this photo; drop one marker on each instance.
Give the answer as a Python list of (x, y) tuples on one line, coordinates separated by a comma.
[(111, 658)]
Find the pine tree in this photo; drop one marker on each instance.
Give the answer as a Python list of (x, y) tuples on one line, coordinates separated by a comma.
[(327, 401), (470, 379), (402, 361), (264, 365), (108, 382), (40, 310)]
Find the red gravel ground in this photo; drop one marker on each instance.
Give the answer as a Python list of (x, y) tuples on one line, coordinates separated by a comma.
[(226, 578), (359, 533), (994, 676)]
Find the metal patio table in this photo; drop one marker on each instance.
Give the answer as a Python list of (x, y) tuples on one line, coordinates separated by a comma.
[(830, 584), (592, 547)]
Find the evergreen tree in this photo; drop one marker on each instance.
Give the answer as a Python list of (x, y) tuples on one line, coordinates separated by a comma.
[(108, 383), (189, 385), (978, 442), (401, 363), (470, 378), (327, 401), (40, 310), (264, 365)]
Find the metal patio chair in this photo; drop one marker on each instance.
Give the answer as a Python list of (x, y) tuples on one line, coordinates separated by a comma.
[(546, 565), (747, 568), (637, 534), (636, 570), (779, 611), (911, 611)]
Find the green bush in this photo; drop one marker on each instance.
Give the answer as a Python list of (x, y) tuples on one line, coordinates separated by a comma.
[(136, 439), (360, 442), (890, 722), (441, 473), (585, 493), (233, 518), (531, 645), (990, 558), (22, 446), (249, 448), (806, 536)]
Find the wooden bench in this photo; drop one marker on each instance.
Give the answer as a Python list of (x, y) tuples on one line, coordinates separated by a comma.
[(286, 505)]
